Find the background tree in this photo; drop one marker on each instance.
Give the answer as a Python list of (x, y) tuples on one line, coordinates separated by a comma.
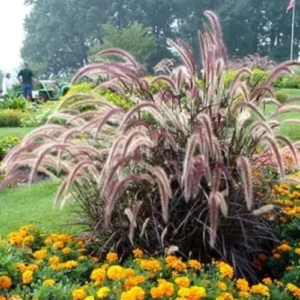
[(136, 39), (61, 33)]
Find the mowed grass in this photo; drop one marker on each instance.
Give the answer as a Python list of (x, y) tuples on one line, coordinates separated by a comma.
[(33, 205), (290, 130), (14, 131)]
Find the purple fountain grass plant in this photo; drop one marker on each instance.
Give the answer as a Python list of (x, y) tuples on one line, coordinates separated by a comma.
[(163, 173)]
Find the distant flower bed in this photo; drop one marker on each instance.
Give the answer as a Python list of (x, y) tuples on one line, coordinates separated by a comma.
[(57, 266)]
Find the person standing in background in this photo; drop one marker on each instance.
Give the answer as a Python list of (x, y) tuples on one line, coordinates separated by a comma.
[(6, 84), (25, 76)]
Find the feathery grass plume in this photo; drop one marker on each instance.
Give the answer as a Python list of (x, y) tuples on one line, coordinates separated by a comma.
[(244, 166), (276, 153), (213, 216), (291, 147), (285, 109), (187, 165), (164, 188), (132, 216), (264, 210)]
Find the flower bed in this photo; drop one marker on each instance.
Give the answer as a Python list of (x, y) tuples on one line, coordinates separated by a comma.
[(35, 266)]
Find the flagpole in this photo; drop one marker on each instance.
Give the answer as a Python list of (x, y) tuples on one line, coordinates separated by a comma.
[(293, 32)]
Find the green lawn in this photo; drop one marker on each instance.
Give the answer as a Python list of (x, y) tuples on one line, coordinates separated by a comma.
[(290, 130), (33, 205), (18, 132)]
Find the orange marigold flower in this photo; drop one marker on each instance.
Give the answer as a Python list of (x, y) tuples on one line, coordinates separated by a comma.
[(225, 269), (66, 250), (5, 282), (137, 253), (262, 257), (242, 285), (112, 256), (284, 248), (79, 294), (267, 281), (276, 255), (194, 264)]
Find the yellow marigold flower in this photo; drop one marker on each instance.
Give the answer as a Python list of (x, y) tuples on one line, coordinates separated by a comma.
[(66, 250), (137, 253), (197, 292), (79, 294), (112, 256), (297, 251), (194, 264), (49, 282), (137, 293), (279, 283), (115, 273), (27, 276), (260, 289), (58, 245), (89, 298), (28, 240), (225, 296), (41, 254), (225, 269), (245, 295), (284, 248), (242, 285), (54, 260), (5, 282), (82, 258), (222, 286), (103, 292), (182, 282), (98, 274), (70, 264), (267, 281)]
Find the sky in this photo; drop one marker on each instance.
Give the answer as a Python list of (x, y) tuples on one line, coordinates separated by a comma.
[(12, 17)]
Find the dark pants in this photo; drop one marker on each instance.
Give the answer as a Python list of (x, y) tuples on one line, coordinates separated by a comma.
[(27, 90)]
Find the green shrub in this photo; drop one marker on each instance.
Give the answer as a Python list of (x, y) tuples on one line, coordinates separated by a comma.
[(38, 115), (8, 143), (281, 96), (258, 78), (291, 82), (116, 99), (12, 102), (11, 118)]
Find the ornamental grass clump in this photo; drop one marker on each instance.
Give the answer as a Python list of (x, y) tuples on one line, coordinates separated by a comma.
[(175, 170)]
